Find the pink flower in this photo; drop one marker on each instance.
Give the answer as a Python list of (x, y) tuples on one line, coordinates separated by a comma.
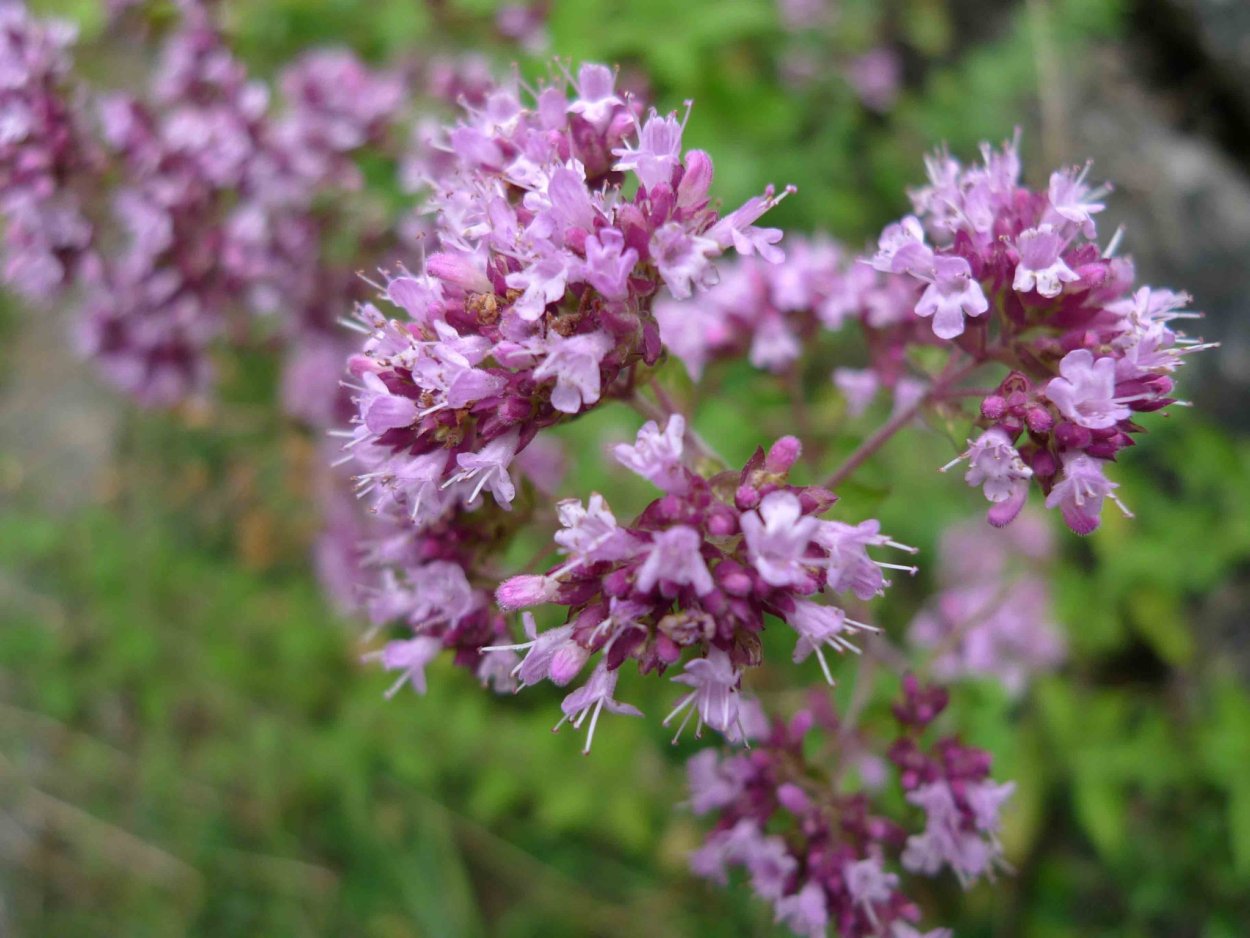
[(673, 559), (996, 466), (901, 249), (409, 657), (1085, 391), (574, 363), (818, 626), (590, 533), (489, 467), (805, 912), (952, 295), (682, 257), (592, 698), (609, 263), (777, 538), (656, 456), (382, 410), (715, 695), (1080, 491), (869, 884), (1073, 201), (596, 99), (714, 782), (658, 152), (543, 282), (1041, 266), (848, 565), (859, 386)]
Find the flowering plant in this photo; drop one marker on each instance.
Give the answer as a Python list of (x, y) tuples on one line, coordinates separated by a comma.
[(568, 246), (520, 325)]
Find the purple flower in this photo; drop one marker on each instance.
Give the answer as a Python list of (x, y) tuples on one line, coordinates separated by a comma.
[(497, 670), (738, 228), (574, 363), (848, 565), (996, 466), (714, 782), (540, 650), (869, 884), (1080, 491), (692, 331), (526, 590), (714, 697), (657, 456), (673, 559), (658, 152), (596, 99), (543, 282), (804, 912), (902, 249), (383, 410), (818, 626), (952, 295), (1041, 266), (683, 258), (1085, 391), (948, 840), (876, 76), (590, 699), (770, 865), (409, 657), (859, 386), (1073, 201), (488, 468), (609, 263), (777, 538)]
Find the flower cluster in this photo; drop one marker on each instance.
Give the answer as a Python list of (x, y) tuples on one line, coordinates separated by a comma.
[(538, 304), (1014, 276), (217, 204), (765, 310), (820, 850), (430, 583), (991, 617), (696, 575), (47, 238), (771, 313)]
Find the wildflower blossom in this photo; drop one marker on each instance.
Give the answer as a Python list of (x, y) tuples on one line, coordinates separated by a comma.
[(1086, 351), (696, 573), (830, 857), (547, 275), (43, 148)]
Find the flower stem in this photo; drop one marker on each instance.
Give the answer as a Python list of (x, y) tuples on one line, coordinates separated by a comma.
[(950, 375)]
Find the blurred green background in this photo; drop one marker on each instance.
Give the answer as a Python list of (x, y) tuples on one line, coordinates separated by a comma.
[(188, 745)]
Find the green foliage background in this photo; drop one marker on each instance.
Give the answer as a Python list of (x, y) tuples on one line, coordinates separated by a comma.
[(188, 745)]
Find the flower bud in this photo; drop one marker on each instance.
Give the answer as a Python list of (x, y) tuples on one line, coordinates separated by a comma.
[(456, 269), (1071, 436), (782, 455), (793, 798), (520, 592), (993, 407), (1038, 419)]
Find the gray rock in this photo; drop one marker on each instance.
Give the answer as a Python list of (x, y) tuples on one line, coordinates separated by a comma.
[(1185, 206)]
